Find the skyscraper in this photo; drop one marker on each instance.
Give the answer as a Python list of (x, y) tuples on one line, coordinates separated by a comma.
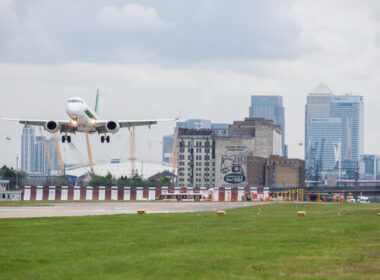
[(331, 119), (33, 153), (27, 149), (269, 107)]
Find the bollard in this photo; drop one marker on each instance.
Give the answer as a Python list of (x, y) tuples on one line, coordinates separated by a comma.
[(221, 213), (301, 213), (141, 211)]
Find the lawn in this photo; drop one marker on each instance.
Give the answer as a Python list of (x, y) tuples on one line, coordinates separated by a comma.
[(332, 241)]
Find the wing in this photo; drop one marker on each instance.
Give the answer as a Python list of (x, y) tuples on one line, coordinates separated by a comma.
[(132, 123), (28, 122), (65, 126), (101, 124)]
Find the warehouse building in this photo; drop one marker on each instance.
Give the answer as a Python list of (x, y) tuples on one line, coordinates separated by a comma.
[(275, 171), (251, 137)]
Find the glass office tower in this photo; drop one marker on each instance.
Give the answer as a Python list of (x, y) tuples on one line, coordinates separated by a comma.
[(333, 119)]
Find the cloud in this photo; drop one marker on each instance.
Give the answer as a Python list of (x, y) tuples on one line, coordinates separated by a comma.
[(8, 14), (132, 16)]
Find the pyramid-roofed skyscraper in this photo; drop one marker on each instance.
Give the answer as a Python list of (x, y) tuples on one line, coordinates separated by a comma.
[(332, 119)]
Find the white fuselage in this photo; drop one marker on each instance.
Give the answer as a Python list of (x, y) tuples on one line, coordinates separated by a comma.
[(82, 117)]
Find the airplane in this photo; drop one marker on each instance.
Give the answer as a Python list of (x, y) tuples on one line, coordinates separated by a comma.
[(83, 119)]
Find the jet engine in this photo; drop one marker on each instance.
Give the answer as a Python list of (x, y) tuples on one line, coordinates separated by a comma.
[(52, 126), (112, 127)]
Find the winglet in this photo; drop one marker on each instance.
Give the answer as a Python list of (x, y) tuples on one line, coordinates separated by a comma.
[(96, 102)]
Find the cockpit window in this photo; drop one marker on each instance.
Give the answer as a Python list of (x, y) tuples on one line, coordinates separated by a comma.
[(75, 101)]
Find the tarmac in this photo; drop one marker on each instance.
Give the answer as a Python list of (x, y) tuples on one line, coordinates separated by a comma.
[(69, 209)]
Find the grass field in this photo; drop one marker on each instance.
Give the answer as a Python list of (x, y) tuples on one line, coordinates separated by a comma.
[(332, 241)]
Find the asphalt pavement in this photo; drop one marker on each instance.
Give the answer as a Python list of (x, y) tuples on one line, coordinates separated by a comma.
[(65, 209)]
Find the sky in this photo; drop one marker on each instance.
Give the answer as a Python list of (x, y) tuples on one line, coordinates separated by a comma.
[(193, 59)]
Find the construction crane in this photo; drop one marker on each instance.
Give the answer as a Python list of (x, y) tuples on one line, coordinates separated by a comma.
[(46, 149), (173, 155), (89, 154), (132, 156), (59, 155), (77, 153), (319, 163)]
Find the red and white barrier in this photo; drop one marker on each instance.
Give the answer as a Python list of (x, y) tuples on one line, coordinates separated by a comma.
[(138, 193)]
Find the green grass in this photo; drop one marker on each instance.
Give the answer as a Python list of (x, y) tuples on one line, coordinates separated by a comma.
[(241, 245)]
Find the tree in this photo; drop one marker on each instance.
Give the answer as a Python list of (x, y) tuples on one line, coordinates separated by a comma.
[(165, 181), (11, 174), (123, 181), (137, 180), (107, 180)]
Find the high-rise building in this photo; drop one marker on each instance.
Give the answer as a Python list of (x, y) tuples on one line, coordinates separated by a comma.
[(27, 149), (331, 119), (41, 162), (270, 107), (220, 129), (369, 166), (33, 153)]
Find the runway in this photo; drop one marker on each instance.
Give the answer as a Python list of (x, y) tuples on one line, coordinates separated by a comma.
[(67, 209)]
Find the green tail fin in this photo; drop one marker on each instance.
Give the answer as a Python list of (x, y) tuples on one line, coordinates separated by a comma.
[(96, 102)]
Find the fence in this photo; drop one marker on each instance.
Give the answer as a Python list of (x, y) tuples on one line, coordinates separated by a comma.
[(140, 193)]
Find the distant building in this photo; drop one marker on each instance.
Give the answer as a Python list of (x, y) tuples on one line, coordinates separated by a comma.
[(270, 107), (218, 158), (251, 137), (275, 171), (41, 162), (369, 166), (166, 173), (6, 194), (332, 119), (196, 158), (33, 153), (167, 145), (27, 149)]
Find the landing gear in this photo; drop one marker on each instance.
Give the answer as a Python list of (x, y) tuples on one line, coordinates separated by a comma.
[(66, 137), (105, 138)]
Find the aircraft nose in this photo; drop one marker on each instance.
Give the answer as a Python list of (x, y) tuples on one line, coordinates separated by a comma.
[(72, 109)]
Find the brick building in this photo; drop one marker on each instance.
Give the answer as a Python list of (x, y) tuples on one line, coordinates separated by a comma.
[(275, 171)]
